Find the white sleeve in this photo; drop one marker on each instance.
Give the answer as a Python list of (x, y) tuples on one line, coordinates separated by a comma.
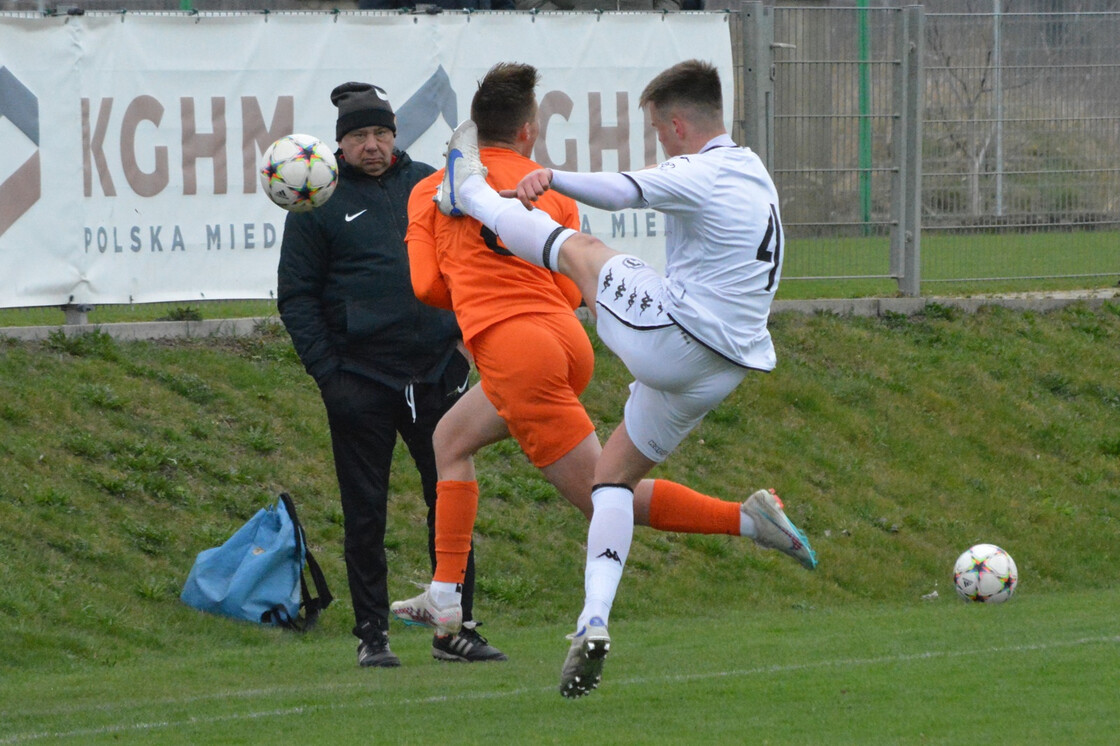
[(607, 191), (680, 185)]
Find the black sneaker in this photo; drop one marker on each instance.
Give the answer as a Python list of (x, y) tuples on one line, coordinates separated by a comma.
[(375, 652), (468, 646)]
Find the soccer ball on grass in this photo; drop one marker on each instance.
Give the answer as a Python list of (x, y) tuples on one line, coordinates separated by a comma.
[(299, 172), (985, 573)]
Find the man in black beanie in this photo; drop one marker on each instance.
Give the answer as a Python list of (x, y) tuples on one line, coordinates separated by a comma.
[(385, 363)]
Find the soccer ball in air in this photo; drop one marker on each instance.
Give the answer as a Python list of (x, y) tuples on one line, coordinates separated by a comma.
[(985, 573), (299, 172)]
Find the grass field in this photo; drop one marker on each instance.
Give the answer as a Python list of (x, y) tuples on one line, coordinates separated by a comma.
[(896, 442), (1040, 669), (955, 264)]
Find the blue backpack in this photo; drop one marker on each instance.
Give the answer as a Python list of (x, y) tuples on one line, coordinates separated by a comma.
[(257, 575)]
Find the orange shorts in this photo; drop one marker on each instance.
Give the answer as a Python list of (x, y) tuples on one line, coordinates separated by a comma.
[(533, 368)]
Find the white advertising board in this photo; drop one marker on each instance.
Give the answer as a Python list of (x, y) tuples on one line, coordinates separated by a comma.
[(131, 141)]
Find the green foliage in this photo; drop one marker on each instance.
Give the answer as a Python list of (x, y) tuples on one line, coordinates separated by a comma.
[(896, 442), (110, 313), (97, 344), (183, 313)]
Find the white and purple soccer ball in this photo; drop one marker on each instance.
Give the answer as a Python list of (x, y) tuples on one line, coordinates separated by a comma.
[(299, 172), (985, 573)]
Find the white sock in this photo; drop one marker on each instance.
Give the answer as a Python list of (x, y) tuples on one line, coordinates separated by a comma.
[(531, 235), (608, 545), (479, 200), (445, 594)]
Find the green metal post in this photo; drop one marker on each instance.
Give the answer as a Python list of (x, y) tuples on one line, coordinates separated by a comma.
[(864, 117)]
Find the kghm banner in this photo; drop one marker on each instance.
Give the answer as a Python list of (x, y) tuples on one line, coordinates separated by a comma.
[(132, 141)]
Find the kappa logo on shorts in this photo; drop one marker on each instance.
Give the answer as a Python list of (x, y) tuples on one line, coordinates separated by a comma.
[(620, 290), (647, 301), (608, 279), (630, 301)]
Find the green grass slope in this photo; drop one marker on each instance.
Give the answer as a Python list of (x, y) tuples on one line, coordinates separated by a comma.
[(895, 442)]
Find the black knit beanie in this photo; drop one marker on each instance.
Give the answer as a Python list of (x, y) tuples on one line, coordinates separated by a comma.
[(361, 105)]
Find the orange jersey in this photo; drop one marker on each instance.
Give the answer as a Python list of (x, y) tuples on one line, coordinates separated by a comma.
[(453, 265)]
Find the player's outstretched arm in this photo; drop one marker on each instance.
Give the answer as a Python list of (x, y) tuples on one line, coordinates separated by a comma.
[(531, 187), (607, 191), (428, 283)]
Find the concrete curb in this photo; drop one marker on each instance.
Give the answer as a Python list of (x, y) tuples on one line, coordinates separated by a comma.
[(142, 330), (911, 306), (147, 330)]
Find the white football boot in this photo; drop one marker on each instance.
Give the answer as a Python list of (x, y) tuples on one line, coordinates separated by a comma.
[(583, 668), (775, 529), (463, 161)]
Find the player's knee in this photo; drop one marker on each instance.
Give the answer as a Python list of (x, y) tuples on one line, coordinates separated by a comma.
[(450, 448), (582, 256)]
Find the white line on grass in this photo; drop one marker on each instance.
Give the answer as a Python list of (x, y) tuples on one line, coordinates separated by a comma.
[(853, 662), (476, 696)]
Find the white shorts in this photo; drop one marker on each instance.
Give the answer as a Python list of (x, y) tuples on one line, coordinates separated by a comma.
[(678, 379)]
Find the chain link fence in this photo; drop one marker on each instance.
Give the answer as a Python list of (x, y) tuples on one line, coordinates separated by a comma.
[(1020, 127), (833, 155)]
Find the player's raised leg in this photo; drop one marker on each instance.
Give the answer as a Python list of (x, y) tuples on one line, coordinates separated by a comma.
[(531, 235), (670, 506), (463, 162)]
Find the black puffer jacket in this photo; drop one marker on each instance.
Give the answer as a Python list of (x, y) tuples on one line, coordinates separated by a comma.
[(343, 285)]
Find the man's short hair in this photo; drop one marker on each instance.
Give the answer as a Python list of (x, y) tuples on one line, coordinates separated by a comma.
[(505, 100), (690, 84)]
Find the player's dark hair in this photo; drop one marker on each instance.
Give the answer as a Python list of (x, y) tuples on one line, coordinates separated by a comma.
[(504, 101), (691, 84)]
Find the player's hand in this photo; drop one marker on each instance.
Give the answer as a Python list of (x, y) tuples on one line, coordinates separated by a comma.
[(531, 187)]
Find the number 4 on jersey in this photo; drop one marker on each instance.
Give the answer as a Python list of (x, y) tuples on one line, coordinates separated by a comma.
[(773, 237)]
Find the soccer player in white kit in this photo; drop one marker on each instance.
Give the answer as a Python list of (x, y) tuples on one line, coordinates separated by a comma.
[(688, 337)]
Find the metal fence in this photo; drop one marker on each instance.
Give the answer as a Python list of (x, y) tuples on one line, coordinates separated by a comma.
[(846, 82), (1022, 128), (914, 148), (1020, 124)]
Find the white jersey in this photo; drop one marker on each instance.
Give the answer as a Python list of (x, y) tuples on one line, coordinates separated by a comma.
[(724, 246)]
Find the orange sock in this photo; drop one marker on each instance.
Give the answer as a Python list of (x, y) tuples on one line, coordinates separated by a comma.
[(456, 509), (675, 507)]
